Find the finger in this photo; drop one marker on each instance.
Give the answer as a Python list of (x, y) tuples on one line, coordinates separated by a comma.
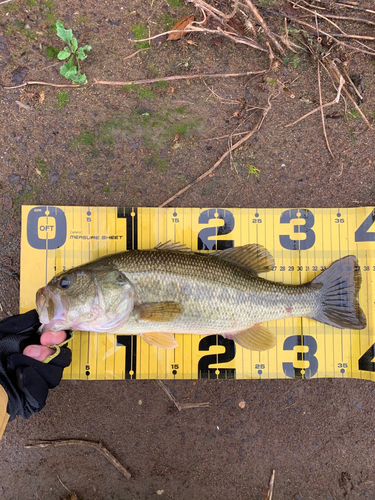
[(53, 338), (38, 352)]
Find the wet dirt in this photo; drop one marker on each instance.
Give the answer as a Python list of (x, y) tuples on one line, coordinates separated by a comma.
[(137, 146)]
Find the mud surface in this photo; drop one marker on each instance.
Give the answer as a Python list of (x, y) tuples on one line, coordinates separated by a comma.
[(137, 146)]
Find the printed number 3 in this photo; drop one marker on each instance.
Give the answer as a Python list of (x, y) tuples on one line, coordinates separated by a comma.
[(289, 368), (308, 218)]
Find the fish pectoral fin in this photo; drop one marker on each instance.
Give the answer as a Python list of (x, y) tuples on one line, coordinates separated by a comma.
[(256, 338), (160, 339), (158, 311), (255, 258)]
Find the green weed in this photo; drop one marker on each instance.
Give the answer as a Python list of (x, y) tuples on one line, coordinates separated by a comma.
[(41, 168), (168, 21), (81, 19), (145, 93), (63, 98), (252, 170), (52, 51), (353, 114), (72, 53), (174, 3), (140, 32)]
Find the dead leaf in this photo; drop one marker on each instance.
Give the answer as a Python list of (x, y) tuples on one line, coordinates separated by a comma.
[(179, 28), (41, 97)]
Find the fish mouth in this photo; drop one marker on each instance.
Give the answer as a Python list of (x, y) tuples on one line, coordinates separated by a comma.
[(52, 311)]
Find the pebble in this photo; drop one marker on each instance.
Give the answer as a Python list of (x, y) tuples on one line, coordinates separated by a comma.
[(54, 176), (13, 179), (359, 406)]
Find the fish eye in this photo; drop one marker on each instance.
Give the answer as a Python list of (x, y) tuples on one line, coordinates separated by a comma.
[(65, 281)]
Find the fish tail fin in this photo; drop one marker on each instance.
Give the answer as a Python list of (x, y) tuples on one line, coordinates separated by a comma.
[(339, 288)]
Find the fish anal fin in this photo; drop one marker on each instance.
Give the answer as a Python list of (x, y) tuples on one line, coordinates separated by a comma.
[(255, 258), (255, 338), (164, 340), (158, 311), (176, 247)]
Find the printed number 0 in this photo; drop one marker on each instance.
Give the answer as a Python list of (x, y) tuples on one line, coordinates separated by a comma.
[(298, 340), (301, 214)]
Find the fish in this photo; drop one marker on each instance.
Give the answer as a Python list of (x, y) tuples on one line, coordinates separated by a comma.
[(172, 290)]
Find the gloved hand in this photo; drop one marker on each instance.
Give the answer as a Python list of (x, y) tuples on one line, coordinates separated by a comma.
[(25, 379)]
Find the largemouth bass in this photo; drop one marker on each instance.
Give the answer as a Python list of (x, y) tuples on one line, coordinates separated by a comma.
[(170, 289)]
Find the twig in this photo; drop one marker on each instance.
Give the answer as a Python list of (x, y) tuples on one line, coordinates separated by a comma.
[(272, 482), (223, 136), (261, 21), (355, 19), (41, 83), (335, 101), (344, 5), (268, 490), (299, 21), (24, 106), (135, 53), (180, 77), (210, 170), (321, 110), (5, 1), (355, 37), (98, 446), (338, 76), (180, 406)]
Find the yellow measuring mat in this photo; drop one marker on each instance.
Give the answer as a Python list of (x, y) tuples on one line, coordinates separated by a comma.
[(303, 242)]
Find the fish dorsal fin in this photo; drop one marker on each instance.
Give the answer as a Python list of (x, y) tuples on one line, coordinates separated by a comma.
[(160, 339), (256, 338), (255, 258), (158, 311), (175, 247)]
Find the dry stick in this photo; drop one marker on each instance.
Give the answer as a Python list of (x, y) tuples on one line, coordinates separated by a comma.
[(338, 4), (180, 406), (98, 446), (209, 8), (352, 84), (272, 482), (236, 38), (299, 21), (5, 1), (135, 53), (335, 101), (346, 18), (338, 76), (317, 14), (181, 77), (356, 37), (209, 171), (322, 112), (261, 21), (41, 83)]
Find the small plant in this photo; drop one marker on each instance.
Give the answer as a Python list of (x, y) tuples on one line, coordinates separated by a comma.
[(353, 114), (73, 54), (251, 170), (63, 98)]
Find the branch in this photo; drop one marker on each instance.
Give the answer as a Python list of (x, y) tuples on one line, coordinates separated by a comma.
[(98, 446)]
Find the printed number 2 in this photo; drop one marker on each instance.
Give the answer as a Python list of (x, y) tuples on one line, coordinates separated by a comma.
[(204, 243), (308, 218), (307, 341), (203, 365)]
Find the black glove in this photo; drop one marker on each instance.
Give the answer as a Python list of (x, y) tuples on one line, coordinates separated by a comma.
[(26, 380)]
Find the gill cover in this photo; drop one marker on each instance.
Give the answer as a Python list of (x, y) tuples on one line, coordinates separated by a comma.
[(89, 297)]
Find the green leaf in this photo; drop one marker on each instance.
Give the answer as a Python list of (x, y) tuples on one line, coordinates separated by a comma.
[(63, 54), (74, 43), (68, 70), (80, 54), (64, 34), (79, 79)]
